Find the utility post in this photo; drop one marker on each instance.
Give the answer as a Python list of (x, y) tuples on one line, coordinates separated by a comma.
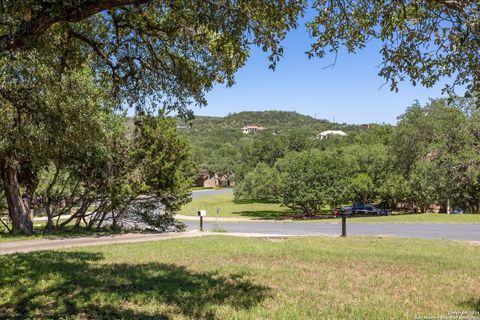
[(215, 226)]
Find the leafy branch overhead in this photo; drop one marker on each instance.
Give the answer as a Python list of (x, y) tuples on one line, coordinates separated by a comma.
[(422, 40), (168, 53), (162, 53)]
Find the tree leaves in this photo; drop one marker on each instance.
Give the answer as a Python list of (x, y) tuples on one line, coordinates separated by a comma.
[(154, 53), (422, 40)]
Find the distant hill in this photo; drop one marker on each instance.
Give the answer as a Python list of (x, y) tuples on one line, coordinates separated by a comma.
[(273, 120), (229, 128)]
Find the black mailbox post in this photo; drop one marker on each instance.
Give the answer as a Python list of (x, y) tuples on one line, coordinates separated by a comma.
[(201, 214), (344, 224)]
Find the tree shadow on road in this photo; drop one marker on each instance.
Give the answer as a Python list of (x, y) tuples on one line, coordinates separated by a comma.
[(82, 285)]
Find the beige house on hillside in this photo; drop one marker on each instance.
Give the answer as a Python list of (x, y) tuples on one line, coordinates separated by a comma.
[(252, 129)]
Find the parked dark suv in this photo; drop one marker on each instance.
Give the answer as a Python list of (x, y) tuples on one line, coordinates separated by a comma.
[(342, 211), (369, 209)]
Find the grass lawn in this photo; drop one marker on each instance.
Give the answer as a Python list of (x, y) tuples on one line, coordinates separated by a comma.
[(421, 218), (224, 277), (273, 210), (407, 218), (231, 208)]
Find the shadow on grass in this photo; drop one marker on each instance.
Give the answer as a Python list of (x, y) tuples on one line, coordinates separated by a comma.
[(45, 285), (281, 215), (264, 214), (255, 201), (472, 304)]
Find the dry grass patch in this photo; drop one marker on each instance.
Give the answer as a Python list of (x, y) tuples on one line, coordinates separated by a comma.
[(223, 277)]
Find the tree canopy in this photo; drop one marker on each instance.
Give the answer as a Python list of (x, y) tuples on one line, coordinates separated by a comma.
[(67, 67), (429, 161), (422, 40), (153, 53)]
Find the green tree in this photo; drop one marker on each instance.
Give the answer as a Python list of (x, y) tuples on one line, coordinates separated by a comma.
[(151, 51), (394, 189), (368, 164), (296, 140), (266, 148), (47, 112), (164, 160), (217, 158), (434, 142), (423, 186), (261, 183), (312, 179), (421, 39), (469, 195), (141, 177), (149, 54), (361, 188)]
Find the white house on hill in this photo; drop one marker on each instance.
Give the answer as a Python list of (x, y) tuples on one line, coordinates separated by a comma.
[(326, 134), (252, 129)]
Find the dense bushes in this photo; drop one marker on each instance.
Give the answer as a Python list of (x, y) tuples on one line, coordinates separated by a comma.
[(430, 158)]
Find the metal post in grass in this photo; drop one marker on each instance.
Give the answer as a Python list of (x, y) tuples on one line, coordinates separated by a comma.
[(201, 214), (215, 226), (344, 225)]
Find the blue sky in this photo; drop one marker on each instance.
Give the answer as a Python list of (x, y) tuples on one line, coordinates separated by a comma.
[(351, 91)]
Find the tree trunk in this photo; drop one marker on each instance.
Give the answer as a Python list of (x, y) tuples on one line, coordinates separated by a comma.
[(476, 91), (29, 180), (49, 206), (48, 209), (78, 214), (18, 211)]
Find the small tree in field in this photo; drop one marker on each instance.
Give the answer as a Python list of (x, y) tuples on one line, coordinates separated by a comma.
[(312, 179), (261, 183)]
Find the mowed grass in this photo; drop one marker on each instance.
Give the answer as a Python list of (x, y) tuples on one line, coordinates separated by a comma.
[(224, 277), (231, 208), (421, 218)]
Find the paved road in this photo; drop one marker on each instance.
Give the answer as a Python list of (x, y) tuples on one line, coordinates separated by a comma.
[(435, 231), (209, 192), (260, 229)]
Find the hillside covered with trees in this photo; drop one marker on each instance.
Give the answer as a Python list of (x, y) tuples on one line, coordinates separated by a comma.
[(220, 147), (428, 161)]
